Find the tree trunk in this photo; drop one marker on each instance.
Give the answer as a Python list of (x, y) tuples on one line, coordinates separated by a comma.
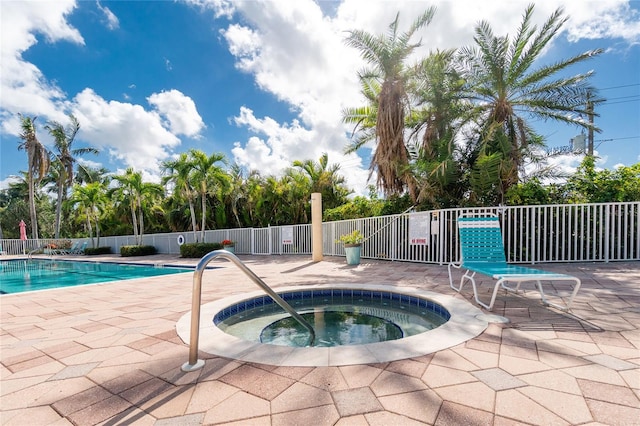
[(141, 218), (204, 215), (59, 208), (193, 219), (90, 231), (134, 220), (32, 205)]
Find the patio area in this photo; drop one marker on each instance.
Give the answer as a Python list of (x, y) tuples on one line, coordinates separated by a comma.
[(109, 354)]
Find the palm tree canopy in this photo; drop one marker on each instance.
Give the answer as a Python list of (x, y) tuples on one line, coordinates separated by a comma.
[(508, 88), (386, 55)]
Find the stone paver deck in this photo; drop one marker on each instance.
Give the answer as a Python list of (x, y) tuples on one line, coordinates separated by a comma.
[(109, 355)]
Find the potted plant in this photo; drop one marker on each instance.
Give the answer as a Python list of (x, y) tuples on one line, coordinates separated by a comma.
[(352, 246), (228, 245)]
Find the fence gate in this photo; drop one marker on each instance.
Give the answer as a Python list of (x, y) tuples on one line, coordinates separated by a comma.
[(261, 241)]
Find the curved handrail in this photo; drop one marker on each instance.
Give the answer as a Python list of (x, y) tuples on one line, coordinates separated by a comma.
[(30, 254), (194, 363)]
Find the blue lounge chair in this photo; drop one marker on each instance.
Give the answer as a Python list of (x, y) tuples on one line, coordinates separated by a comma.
[(70, 250), (482, 252), (80, 249)]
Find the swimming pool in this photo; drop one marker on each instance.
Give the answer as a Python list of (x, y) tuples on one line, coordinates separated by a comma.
[(22, 275)]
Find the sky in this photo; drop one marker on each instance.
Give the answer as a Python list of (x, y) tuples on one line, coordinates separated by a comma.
[(265, 82)]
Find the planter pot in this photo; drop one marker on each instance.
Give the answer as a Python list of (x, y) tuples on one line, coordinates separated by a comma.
[(230, 249), (353, 253)]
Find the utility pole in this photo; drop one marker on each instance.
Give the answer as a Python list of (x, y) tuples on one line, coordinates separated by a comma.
[(590, 114)]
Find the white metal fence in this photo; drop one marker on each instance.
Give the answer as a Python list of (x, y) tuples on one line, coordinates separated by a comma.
[(533, 234)]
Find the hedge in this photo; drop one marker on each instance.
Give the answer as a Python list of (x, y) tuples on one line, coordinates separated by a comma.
[(91, 251), (198, 250), (126, 251)]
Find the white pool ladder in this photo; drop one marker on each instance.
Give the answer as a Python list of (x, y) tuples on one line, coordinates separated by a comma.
[(194, 363)]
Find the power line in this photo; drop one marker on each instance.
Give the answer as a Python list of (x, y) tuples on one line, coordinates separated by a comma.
[(617, 139), (621, 102), (622, 97), (620, 87)]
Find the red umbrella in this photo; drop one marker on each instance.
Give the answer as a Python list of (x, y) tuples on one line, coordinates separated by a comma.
[(23, 230)]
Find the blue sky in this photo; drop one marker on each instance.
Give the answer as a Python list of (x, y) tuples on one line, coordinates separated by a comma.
[(263, 82)]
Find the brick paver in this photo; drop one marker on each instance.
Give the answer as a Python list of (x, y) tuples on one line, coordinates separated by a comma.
[(110, 354)]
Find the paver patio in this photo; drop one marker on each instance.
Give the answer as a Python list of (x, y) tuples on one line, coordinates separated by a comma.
[(109, 354)]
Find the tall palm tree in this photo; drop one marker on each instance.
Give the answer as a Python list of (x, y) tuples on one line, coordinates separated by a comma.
[(178, 173), (136, 193), (386, 56), (507, 90), (363, 118), (91, 200), (64, 158), (435, 120), (237, 192), (255, 189), (208, 179), (38, 164)]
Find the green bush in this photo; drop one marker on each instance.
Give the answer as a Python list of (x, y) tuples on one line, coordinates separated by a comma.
[(196, 250), (126, 251), (91, 251)]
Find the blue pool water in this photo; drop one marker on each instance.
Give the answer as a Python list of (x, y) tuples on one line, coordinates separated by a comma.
[(22, 275)]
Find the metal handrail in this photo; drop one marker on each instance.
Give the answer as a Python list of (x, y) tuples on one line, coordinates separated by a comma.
[(195, 363)]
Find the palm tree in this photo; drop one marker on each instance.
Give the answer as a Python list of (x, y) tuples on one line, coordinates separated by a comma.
[(38, 164), (363, 118), (435, 122), (89, 174), (325, 180), (91, 200), (133, 191), (255, 190), (236, 193), (507, 90), (386, 55), (64, 159), (178, 172), (208, 179)]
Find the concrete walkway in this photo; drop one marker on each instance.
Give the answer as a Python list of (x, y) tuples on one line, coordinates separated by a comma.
[(109, 354)]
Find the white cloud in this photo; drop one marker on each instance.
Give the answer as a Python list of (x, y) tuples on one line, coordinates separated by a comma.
[(90, 164), (284, 143), (4, 183), (180, 112), (112, 20), (24, 89), (220, 7), (127, 131)]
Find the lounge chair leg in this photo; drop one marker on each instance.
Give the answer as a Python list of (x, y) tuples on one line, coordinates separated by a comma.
[(477, 297)]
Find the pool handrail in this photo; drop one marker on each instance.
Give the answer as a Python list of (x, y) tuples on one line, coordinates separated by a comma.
[(194, 363)]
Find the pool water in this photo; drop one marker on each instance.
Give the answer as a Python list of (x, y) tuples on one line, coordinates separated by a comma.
[(335, 326), (17, 276), (339, 317)]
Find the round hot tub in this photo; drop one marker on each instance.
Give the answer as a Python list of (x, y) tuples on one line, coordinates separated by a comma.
[(354, 324), (339, 316)]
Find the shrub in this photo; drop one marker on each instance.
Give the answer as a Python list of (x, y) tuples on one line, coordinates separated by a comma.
[(93, 251), (354, 237), (126, 251), (191, 250)]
